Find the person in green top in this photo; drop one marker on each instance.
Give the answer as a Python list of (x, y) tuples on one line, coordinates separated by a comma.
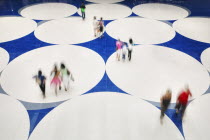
[(82, 7), (66, 75)]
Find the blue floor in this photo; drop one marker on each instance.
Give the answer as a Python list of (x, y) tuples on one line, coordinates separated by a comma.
[(105, 46)]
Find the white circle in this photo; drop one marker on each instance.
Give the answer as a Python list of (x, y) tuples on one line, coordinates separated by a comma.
[(66, 31), (105, 116), (105, 1), (4, 58), (153, 69), (196, 120), (14, 119), (12, 28), (143, 31), (160, 11), (205, 58), (196, 28), (107, 11), (48, 11), (86, 65)]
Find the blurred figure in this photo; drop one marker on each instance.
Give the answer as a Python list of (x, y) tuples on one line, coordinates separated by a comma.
[(101, 27), (118, 48), (82, 7), (165, 101), (41, 80), (124, 51), (65, 76), (182, 100), (95, 26), (56, 79), (130, 48)]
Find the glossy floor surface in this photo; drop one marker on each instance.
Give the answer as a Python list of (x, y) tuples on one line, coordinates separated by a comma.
[(106, 99)]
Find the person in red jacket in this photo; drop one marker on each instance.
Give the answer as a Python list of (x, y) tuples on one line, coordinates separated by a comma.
[(182, 101)]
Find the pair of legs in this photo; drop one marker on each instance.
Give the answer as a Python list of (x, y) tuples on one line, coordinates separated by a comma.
[(56, 82), (180, 108), (95, 31), (42, 87), (129, 55), (65, 81), (163, 110), (100, 31), (83, 15), (118, 55), (123, 56)]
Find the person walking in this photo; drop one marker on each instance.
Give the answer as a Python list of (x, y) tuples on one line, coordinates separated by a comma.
[(130, 48), (165, 101), (41, 81), (56, 79), (82, 7), (124, 51), (118, 49), (95, 26), (182, 101), (65, 76), (101, 27)]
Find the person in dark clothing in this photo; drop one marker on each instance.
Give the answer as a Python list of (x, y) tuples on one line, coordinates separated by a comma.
[(41, 80), (130, 48), (82, 7), (165, 101), (101, 27)]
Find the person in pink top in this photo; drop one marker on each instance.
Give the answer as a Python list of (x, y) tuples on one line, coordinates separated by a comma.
[(118, 48)]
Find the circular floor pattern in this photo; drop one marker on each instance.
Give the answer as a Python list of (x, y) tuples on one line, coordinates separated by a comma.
[(4, 58), (66, 31), (160, 11), (107, 11), (196, 28), (13, 27), (196, 121), (105, 116), (143, 31), (14, 119), (48, 11), (105, 1), (153, 69), (86, 65), (205, 58)]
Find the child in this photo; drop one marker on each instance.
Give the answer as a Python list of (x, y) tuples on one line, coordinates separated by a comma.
[(118, 48), (124, 51), (56, 79), (41, 80), (65, 76)]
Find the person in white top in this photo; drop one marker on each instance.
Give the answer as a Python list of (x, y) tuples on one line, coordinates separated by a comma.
[(95, 25), (124, 51), (130, 48)]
